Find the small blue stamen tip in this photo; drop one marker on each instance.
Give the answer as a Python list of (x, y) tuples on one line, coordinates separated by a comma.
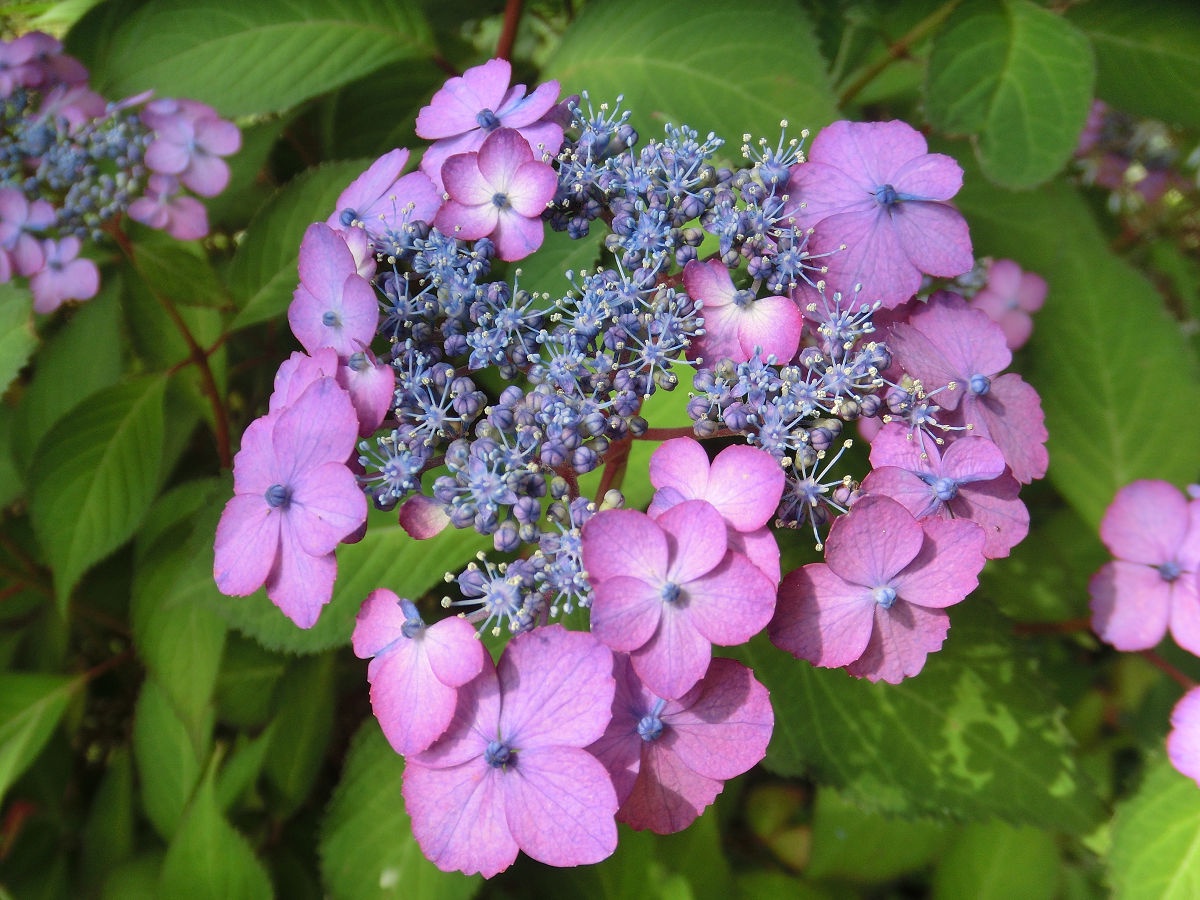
[(1169, 571), (330, 319), (413, 623), (500, 201), (278, 495), (980, 385), (884, 596), (670, 592), (886, 195), (487, 120), (348, 217), (358, 362), (498, 755), (945, 489)]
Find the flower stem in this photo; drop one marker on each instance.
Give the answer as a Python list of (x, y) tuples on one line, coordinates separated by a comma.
[(508, 32), (898, 49)]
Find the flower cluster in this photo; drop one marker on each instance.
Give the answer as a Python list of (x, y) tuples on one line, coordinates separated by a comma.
[(1152, 586), (72, 162), (477, 404)]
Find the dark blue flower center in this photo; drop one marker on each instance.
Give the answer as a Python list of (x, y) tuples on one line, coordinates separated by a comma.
[(358, 362), (500, 201), (278, 495), (330, 319), (885, 596), (487, 120), (1170, 571), (980, 384), (348, 217), (670, 592), (499, 756), (650, 728)]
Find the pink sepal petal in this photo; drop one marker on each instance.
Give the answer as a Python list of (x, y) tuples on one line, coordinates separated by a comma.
[(902, 639), (412, 706), (1185, 613), (874, 542), (675, 658), (458, 817), (624, 542), (696, 536), (246, 545), (1147, 522), (667, 796), (378, 623), (300, 584), (947, 567), (560, 806), (327, 505), (1131, 605), (625, 612), (731, 603), (822, 618), (770, 327), (423, 517), (745, 485), (456, 654), (1011, 415), (761, 548), (1183, 743), (722, 726)]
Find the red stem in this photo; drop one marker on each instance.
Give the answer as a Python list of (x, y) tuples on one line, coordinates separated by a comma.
[(508, 32)]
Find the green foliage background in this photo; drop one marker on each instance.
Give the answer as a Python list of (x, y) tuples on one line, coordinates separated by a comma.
[(158, 739)]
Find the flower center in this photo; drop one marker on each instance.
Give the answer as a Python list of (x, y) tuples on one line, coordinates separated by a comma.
[(886, 196), (487, 120), (348, 217), (358, 362), (278, 496), (945, 489), (330, 319), (413, 623), (500, 200), (499, 756), (650, 728), (980, 384), (670, 592), (885, 596), (1169, 571)]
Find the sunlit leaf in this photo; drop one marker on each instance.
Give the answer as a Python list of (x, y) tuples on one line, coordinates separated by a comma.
[(1156, 839), (31, 706)]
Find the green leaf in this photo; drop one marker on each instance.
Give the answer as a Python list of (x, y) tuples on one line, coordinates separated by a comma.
[(12, 483), (168, 759), (177, 636), (208, 858), (263, 274), (247, 682), (302, 729), (1017, 76), (973, 735), (96, 475), (1147, 56), (30, 708), (1103, 347), (108, 837), (17, 337), (546, 270), (178, 271), (1156, 839), (995, 861), (367, 846), (851, 843), (92, 334), (243, 767), (256, 57), (676, 72)]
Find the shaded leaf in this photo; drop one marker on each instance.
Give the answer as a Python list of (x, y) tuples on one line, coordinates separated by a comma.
[(302, 729), (169, 761), (1017, 76), (255, 57), (676, 72), (1156, 838), (178, 271), (367, 847), (96, 475), (994, 861), (108, 835), (30, 708), (209, 858), (1147, 56), (973, 736)]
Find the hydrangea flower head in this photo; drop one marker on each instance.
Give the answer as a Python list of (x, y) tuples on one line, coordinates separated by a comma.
[(1154, 533), (512, 772), (294, 501), (498, 192), (416, 668), (669, 759), (878, 604), (189, 145), (969, 481), (667, 589), (469, 108), (875, 188), (736, 325), (1009, 297)]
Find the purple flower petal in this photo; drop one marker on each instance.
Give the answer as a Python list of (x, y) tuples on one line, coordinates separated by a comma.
[(625, 611), (300, 584), (458, 817), (1131, 605), (624, 542), (1183, 743), (874, 542), (821, 617), (947, 567), (1147, 522), (902, 639), (667, 796), (246, 545), (675, 658), (696, 537)]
